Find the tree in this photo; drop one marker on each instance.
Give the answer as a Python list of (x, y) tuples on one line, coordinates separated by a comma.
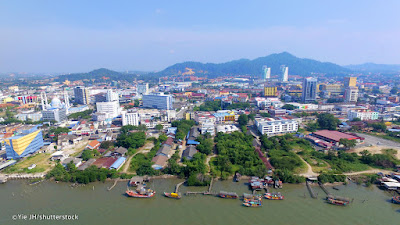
[(289, 107), (356, 119), (87, 154), (107, 144), (137, 103), (252, 116), (265, 115), (206, 146), (394, 90), (159, 127), (347, 143), (379, 127), (243, 120), (327, 121)]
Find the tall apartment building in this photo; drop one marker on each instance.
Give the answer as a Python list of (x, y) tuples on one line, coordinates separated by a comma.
[(272, 127), (350, 82), (111, 96), (130, 118), (27, 142), (142, 89), (285, 73), (351, 94), (82, 95), (363, 114), (158, 101), (266, 73), (309, 92)]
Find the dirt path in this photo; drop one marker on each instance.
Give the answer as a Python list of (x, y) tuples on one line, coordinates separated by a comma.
[(309, 172), (142, 149), (369, 172), (208, 161)]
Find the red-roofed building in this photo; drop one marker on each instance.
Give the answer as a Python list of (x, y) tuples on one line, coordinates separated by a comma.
[(333, 136), (95, 144), (105, 162)]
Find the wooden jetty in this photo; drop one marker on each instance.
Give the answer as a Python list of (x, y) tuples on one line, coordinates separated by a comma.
[(324, 188), (209, 187), (115, 183), (178, 185), (310, 190)]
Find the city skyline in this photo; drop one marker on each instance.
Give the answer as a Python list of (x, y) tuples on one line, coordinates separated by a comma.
[(74, 37)]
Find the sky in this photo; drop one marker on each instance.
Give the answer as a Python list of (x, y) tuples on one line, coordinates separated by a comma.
[(79, 36)]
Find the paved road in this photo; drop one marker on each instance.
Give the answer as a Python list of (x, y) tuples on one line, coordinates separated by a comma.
[(372, 140)]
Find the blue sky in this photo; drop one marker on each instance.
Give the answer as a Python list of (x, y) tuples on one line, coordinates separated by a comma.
[(78, 36)]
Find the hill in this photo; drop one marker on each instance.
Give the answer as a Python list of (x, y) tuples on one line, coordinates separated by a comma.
[(98, 74), (373, 67), (297, 66)]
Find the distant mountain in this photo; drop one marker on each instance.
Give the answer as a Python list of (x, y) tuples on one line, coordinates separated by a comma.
[(297, 66), (372, 67), (98, 74)]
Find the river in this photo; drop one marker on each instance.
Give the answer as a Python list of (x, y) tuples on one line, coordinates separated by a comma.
[(99, 206)]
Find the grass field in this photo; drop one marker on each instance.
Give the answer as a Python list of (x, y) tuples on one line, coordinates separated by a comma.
[(41, 160)]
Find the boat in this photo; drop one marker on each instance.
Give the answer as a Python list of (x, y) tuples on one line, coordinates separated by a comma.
[(250, 197), (140, 192), (237, 176), (252, 204), (278, 184), (224, 194), (396, 199), (172, 195), (335, 200), (274, 196), (335, 188)]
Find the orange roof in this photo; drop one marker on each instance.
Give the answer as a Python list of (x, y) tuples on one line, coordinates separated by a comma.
[(93, 144)]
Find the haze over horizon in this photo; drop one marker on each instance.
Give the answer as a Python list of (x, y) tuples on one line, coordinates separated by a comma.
[(74, 36)]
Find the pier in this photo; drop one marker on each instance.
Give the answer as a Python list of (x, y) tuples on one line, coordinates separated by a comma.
[(310, 190), (177, 186), (115, 183), (324, 188)]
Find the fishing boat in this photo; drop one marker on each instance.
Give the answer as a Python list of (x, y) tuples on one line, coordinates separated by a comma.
[(224, 194), (252, 204), (335, 200), (173, 195), (140, 192), (274, 196), (237, 176), (396, 199), (250, 197)]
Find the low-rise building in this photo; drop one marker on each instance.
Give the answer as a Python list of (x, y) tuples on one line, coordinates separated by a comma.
[(272, 127), (363, 114)]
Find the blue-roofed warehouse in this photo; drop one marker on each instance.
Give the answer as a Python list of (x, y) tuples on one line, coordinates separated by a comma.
[(118, 164)]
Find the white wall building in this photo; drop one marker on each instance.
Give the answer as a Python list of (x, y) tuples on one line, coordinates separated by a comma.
[(158, 101), (351, 94), (272, 127), (112, 109), (130, 119), (111, 96), (142, 89), (362, 114), (285, 73), (207, 127)]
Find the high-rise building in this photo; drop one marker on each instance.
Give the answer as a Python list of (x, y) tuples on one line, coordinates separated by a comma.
[(81, 95), (309, 92), (350, 82), (56, 110), (351, 94), (110, 109), (27, 142), (158, 101), (266, 72), (130, 118), (142, 89), (112, 96), (285, 73), (270, 91)]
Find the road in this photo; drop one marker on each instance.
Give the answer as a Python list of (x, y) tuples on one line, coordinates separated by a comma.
[(368, 172), (144, 148), (309, 172)]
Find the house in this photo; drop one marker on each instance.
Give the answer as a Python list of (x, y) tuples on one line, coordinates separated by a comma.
[(169, 141), (95, 144), (120, 151), (105, 162), (164, 150), (160, 162), (189, 152), (118, 163), (76, 161), (87, 164), (59, 155), (66, 140)]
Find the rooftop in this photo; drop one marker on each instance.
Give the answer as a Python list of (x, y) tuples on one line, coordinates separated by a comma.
[(335, 135)]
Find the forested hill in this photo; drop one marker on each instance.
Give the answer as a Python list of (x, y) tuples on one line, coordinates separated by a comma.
[(297, 66), (98, 74)]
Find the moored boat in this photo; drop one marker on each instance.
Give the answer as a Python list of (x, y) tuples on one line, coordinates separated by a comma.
[(172, 195), (396, 199), (252, 204), (140, 192), (274, 196), (224, 194), (335, 200)]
